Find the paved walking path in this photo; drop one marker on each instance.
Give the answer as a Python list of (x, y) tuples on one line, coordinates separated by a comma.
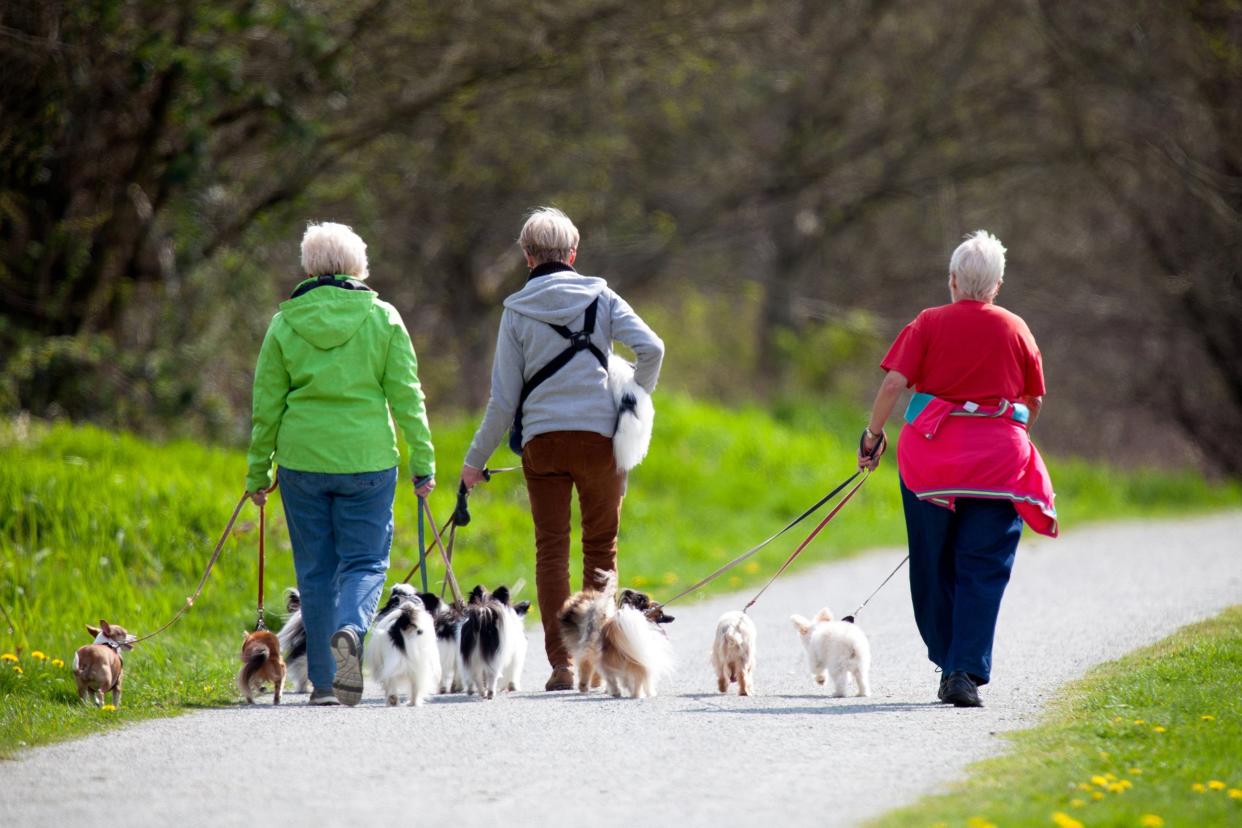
[(789, 756)]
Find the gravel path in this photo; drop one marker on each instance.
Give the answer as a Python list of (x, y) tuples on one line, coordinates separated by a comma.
[(688, 757)]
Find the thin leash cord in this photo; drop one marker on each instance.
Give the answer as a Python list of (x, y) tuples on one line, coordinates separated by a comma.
[(755, 549), (452, 530), (215, 555), (418, 564), (260, 624), (448, 566), (809, 538), (856, 612)]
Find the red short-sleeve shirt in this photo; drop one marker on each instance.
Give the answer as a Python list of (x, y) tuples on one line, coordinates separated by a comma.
[(968, 351)]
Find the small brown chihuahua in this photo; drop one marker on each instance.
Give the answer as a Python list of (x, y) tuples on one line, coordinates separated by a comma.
[(97, 666), (261, 662)]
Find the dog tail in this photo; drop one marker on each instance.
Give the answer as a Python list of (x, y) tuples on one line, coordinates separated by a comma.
[(255, 655), (641, 642), (635, 415), (607, 580)]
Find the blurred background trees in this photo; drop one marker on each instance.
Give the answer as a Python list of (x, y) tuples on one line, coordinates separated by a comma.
[(776, 185)]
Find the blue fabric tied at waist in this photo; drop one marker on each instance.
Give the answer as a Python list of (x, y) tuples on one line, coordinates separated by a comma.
[(928, 421)]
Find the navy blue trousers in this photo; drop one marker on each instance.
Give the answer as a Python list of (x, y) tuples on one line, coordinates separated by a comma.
[(960, 562)]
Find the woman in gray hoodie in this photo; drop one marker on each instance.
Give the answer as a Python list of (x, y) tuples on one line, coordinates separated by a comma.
[(550, 390)]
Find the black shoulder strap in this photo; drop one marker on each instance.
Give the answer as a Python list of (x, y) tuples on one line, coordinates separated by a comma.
[(578, 341), (328, 280)]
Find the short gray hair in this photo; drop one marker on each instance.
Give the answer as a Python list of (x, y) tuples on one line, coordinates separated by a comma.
[(548, 236), (979, 263), (333, 249)]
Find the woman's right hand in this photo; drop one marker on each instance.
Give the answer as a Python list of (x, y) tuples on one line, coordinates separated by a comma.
[(259, 497), (471, 476)]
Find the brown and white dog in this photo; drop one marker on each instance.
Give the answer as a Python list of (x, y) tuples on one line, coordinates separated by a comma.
[(261, 661), (733, 652), (584, 616), (97, 667)]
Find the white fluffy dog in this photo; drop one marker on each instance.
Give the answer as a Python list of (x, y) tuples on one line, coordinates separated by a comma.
[(401, 651), (733, 652), (837, 649), (635, 414)]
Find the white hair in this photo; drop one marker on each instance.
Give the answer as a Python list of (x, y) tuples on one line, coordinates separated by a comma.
[(548, 236), (979, 263), (333, 249)]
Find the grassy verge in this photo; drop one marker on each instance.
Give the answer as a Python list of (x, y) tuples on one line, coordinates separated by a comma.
[(1152, 739), (95, 524)]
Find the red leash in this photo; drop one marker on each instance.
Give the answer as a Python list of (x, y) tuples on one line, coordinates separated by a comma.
[(809, 538)]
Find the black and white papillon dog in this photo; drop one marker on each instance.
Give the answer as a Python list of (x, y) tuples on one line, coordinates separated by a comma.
[(492, 642), (401, 652), (292, 637)]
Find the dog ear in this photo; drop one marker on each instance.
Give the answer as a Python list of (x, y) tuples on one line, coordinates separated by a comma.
[(502, 595), (521, 607), (430, 601), (293, 600), (665, 619), (803, 625), (93, 630), (477, 595), (824, 615)]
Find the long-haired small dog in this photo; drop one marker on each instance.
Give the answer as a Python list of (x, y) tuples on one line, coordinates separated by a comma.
[(493, 642), (97, 667), (401, 652), (292, 637), (837, 650), (582, 619), (448, 621), (733, 652), (261, 661)]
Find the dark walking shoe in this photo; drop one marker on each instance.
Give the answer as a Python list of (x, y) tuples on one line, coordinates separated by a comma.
[(562, 678), (944, 683), (960, 691), (347, 652)]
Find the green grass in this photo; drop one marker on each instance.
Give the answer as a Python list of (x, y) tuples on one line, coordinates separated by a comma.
[(95, 524), (1155, 735)]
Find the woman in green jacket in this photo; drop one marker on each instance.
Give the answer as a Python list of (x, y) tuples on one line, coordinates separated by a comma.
[(335, 360)]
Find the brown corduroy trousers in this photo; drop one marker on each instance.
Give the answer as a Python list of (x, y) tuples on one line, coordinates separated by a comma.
[(555, 463)]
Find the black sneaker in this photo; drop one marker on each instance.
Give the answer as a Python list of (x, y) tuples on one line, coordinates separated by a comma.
[(347, 652), (944, 683), (960, 691)]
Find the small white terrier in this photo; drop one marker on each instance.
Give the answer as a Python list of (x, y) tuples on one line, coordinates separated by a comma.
[(733, 652), (837, 649)]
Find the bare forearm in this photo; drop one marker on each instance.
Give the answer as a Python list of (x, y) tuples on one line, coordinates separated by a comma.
[(890, 389)]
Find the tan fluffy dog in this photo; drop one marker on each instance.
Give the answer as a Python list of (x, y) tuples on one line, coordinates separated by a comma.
[(733, 652)]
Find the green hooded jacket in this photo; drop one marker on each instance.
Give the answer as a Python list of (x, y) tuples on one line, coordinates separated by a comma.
[(332, 363)]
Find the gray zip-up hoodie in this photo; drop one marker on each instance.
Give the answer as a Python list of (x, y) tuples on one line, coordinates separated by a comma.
[(575, 398)]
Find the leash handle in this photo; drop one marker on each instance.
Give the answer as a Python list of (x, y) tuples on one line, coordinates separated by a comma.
[(461, 514), (807, 541), (877, 451)]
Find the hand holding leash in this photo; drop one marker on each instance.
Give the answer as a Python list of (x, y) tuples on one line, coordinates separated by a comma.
[(869, 458)]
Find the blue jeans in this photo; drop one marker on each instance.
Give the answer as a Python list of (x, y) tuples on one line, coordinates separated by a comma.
[(341, 529), (960, 562)]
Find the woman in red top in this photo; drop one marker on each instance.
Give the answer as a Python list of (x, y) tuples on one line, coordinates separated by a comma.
[(969, 473)]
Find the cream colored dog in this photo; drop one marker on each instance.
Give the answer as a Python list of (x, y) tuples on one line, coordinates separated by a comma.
[(837, 649), (733, 652)]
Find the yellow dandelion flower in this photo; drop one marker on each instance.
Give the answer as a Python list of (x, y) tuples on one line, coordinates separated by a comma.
[(56, 662), (1208, 717), (1140, 721), (1097, 795), (1110, 777), (1099, 780), (670, 577), (108, 708), (734, 581), (1151, 821), (979, 822), (751, 567), (1117, 720), (18, 670), (39, 654), (1159, 729), (1134, 771), (1077, 803), (638, 581), (1103, 754), (1064, 820), (8, 657), (1126, 783), (1198, 787), (1235, 793), (1083, 786), (1216, 785)]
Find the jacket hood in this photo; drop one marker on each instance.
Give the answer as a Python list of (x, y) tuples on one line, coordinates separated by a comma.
[(557, 298), (328, 317)]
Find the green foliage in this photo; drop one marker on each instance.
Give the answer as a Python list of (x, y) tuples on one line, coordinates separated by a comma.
[(95, 524), (1156, 733)]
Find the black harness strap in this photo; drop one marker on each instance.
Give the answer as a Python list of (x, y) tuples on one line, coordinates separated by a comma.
[(328, 280), (578, 341)]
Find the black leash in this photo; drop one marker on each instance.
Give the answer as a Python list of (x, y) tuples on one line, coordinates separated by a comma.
[(850, 618), (755, 549)]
